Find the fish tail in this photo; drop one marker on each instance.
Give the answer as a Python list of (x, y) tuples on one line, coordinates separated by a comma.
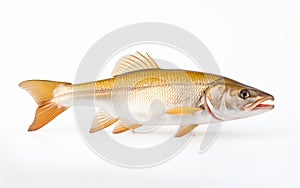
[(43, 92)]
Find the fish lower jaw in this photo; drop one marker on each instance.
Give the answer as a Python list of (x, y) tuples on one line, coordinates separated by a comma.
[(265, 104), (264, 107)]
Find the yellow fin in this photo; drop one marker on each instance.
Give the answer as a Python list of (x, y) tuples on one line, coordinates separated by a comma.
[(183, 130), (134, 62), (183, 110), (42, 92), (122, 127), (44, 114), (101, 121)]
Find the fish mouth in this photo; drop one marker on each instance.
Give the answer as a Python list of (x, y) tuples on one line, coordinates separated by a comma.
[(262, 104)]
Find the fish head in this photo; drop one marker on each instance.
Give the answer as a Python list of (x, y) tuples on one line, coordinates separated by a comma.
[(227, 99)]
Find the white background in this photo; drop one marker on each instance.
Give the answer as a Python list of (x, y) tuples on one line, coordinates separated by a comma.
[(255, 42)]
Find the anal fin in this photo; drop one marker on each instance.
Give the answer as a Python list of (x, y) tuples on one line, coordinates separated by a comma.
[(101, 121)]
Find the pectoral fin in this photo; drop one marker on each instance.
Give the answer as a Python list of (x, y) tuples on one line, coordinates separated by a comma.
[(101, 121), (122, 127), (183, 130), (183, 110)]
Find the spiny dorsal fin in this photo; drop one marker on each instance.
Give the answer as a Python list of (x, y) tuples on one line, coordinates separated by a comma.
[(101, 121), (134, 62)]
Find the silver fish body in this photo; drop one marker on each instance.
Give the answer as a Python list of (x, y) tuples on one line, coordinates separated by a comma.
[(140, 93)]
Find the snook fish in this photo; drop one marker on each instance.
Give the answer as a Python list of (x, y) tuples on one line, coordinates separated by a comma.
[(140, 93)]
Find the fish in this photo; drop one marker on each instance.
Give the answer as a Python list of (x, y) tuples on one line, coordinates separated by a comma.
[(140, 93)]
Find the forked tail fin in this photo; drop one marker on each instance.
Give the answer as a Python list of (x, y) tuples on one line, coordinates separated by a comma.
[(42, 92)]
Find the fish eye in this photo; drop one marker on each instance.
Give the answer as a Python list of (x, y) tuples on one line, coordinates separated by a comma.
[(244, 94)]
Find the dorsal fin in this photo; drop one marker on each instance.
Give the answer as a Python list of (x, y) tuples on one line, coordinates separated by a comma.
[(134, 62)]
